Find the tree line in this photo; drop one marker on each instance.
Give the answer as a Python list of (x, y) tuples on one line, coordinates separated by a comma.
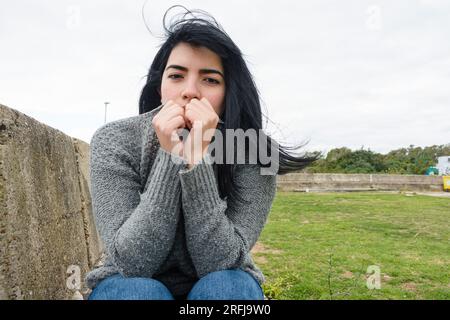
[(411, 160)]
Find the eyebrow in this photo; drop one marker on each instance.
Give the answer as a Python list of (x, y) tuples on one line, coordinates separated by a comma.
[(202, 71)]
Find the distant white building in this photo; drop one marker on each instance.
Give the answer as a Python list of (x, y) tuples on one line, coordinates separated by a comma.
[(443, 165)]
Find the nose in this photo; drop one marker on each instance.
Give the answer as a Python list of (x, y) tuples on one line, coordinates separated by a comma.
[(190, 91)]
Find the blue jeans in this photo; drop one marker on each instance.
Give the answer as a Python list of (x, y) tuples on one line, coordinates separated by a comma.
[(232, 284)]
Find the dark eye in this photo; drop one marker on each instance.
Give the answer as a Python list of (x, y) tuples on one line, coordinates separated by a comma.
[(213, 80), (173, 75)]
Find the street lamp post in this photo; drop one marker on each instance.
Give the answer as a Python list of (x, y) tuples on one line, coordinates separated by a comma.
[(106, 104)]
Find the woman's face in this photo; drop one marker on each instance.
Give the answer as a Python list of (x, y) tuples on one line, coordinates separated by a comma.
[(193, 72)]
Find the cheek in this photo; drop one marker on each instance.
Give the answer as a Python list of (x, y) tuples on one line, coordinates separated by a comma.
[(167, 91), (217, 101)]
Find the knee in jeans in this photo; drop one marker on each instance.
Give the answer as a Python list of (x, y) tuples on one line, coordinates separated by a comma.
[(226, 284), (117, 288)]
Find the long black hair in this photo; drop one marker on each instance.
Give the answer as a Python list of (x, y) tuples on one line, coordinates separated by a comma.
[(242, 107)]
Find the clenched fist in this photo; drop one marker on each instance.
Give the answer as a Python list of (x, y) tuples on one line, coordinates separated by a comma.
[(167, 122), (199, 116)]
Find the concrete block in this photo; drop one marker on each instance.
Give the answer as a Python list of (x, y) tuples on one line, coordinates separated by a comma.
[(363, 182), (93, 240), (45, 226)]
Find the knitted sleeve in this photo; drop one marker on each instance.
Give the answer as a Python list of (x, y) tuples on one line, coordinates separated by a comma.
[(137, 229), (220, 233)]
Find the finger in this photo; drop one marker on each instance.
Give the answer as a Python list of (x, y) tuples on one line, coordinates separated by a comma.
[(171, 105), (196, 104), (203, 104), (167, 104), (179, 125), (206, 102), (161, 113), (176, 122), (192, 115), (171, 112)]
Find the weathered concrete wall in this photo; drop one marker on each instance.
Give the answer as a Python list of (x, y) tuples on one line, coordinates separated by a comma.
[(46, 222), (353, 182)]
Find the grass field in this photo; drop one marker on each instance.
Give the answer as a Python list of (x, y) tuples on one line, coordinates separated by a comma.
[(319, 246)]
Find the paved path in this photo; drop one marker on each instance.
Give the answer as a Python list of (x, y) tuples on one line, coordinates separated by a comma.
[(435, 194)]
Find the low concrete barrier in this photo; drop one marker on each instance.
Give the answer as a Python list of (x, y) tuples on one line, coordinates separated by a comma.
[(357, 182)]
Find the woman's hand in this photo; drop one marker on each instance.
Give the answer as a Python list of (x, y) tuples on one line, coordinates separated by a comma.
[(202, 118), (166, 123)]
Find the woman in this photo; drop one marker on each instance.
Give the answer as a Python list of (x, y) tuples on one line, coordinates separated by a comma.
[(175, 223)]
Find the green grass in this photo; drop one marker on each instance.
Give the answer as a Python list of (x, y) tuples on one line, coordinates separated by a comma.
[(319, 246)]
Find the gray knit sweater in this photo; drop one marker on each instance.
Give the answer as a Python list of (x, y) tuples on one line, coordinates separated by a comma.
[(158, 219)]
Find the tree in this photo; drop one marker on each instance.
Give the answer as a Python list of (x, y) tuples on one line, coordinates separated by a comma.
[(411, 160)]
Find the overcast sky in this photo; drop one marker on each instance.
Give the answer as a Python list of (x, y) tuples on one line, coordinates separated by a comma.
[(337, 73)]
